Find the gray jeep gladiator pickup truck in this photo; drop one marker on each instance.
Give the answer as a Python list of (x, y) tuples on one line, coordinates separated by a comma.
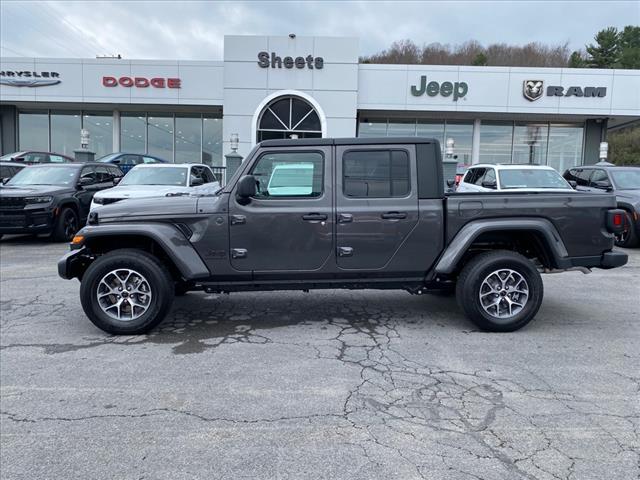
[(339, 213)]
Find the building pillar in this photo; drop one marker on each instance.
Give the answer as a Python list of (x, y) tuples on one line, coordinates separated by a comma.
[(116, 130), (8, 129), (475, 144)]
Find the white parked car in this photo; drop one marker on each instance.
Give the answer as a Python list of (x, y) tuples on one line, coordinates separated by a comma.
[(490, 177), (158, 180)]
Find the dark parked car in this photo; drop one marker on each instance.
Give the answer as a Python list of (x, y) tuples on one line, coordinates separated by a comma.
[(52, 199), (126, 161), (9, 169), (30, 157), (624, 182), (339, 213)]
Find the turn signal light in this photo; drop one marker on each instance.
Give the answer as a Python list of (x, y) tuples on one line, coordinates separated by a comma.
[(77, 240)]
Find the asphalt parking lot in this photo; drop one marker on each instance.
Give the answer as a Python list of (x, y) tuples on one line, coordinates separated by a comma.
[(329, 384)]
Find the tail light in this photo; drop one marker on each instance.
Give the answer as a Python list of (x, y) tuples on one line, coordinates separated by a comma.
[(616, 220), (458, 178)]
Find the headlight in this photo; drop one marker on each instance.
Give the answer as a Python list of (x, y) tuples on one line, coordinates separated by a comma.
[(30, 200), (98, 200)]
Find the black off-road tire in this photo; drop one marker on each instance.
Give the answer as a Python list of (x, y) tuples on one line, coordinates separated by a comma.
[(630, 238), (155, 273), (479, 268), (66, 226)]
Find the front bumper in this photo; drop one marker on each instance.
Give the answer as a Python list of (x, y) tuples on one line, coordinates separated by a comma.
[(28, 220), (73, 263)]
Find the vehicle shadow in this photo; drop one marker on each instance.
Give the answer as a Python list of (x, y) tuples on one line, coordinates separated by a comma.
[(199, 322)]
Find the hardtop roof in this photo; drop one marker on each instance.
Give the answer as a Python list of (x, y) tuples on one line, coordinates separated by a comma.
[(308, 142)]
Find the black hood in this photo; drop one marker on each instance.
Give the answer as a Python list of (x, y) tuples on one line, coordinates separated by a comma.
[(148, 207), (630, 196), (33, 190)]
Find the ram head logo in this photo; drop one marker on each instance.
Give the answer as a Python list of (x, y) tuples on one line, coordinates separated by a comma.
[(532, 89)]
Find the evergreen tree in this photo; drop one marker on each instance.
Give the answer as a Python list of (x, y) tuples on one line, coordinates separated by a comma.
[(629, 42), (576, 60), (605, 53), (480, 60)]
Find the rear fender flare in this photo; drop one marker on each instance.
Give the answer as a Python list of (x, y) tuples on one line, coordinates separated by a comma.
[(453, 254)]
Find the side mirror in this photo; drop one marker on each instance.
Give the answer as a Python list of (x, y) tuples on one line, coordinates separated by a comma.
[(84, 181), (5, 180), (116, 180), (246, 187), (490, 184), (197, 181), (573, 184), (451, 183)]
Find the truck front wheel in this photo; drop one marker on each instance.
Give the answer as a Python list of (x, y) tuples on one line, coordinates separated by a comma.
[(500, 291), (126, 292)]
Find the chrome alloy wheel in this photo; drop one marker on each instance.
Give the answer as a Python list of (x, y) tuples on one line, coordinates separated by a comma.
[(504, 293), (124, 294)]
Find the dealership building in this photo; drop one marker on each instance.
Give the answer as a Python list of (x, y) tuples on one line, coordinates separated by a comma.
[(300, 87)]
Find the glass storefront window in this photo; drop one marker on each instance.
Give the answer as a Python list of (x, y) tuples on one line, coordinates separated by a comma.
[(462, 134), (133, 132), (496, 142), (401, 128), (188, 139), (160, 136), (372, 128), (65, 132), (565, 146), (431, 130), (212, 141), (33, 130), (100, 127), (530, 143)]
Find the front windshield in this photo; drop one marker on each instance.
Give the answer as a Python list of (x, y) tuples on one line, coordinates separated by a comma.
[(10, 156), (531, 178), (173, 176), (108, 158), (45, 176), (626, 179)]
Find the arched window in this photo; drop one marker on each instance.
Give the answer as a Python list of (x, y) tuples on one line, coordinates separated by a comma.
[(288, 117)]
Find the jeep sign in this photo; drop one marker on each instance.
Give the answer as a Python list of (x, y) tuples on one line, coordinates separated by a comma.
[(446, 89)]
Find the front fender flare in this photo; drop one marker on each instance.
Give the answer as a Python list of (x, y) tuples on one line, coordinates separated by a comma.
[(168, 237), (452, 255)]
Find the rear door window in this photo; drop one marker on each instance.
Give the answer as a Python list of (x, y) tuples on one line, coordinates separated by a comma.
[(600, 176), (36, 158), (376, 173)]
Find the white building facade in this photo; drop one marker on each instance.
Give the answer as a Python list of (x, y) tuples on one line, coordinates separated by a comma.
[(283, 87)]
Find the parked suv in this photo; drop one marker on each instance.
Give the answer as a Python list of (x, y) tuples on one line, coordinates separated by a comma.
[(9, 169), (624, 182), (52, 199), (159, 179), (485, 178), (31, 157), (363, 213), (126, 161)]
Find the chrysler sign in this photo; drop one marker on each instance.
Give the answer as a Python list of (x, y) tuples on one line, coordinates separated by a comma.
[(15, 78)]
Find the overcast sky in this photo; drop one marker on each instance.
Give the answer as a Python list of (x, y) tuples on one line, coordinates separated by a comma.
[(195, 30)]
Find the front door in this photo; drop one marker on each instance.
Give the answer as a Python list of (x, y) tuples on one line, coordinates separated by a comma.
[(288, 225), (377, 205)]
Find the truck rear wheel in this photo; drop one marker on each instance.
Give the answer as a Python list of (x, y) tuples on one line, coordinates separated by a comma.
[(500, 291), (126, 292)]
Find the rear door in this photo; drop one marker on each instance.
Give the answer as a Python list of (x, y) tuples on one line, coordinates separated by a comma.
[(376, 204)]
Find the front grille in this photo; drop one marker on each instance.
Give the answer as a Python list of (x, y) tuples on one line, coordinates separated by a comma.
[(11, 202), (12, 220)]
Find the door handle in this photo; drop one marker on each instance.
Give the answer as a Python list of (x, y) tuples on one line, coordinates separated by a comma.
[(314, 217), (345, 251), (345, 218), (394, 215)]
